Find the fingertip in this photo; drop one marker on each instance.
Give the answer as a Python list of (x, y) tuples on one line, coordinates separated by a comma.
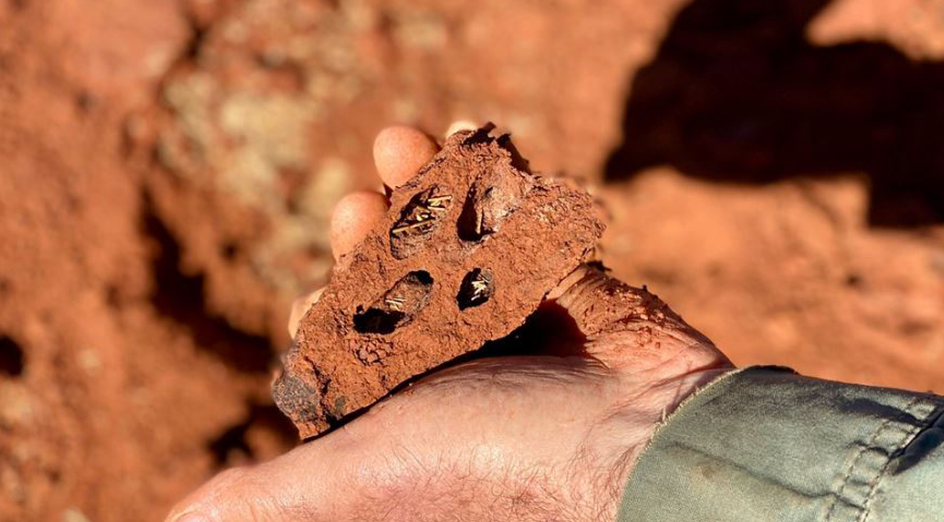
[(353, 218), (222, 499), (569, 281), (400, 152), (300, 308), (189, 517), (459, 126)]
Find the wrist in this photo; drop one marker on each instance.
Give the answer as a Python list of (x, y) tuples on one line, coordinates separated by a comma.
[(636, 422)]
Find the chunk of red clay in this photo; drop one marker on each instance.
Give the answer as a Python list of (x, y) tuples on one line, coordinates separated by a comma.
[(469, 249)]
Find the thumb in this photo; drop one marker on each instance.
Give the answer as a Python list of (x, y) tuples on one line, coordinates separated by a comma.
[(629, 328)]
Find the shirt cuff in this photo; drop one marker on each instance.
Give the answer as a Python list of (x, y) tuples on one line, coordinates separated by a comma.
[(767, 444)]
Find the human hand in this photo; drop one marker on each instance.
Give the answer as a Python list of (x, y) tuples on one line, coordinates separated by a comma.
[(551, 433)]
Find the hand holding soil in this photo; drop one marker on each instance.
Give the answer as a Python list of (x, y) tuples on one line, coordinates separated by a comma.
[(549, 433)]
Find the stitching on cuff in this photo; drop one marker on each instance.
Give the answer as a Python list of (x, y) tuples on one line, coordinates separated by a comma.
[(928, 421), (868, 479)]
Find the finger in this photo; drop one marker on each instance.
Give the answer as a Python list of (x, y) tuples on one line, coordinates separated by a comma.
[(630, 328), (461, 125), (400, 152), (299, 308), (292, 487), (353, 218), (222, 499)]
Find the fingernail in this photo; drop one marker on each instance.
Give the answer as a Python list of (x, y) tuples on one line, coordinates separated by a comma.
[(460, 125), (189, 517)]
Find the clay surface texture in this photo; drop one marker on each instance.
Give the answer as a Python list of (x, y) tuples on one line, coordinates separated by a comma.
[(467, 252)]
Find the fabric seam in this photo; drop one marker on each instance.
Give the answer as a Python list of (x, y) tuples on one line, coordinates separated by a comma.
[(686, 402), (928, 422), (870, 444)]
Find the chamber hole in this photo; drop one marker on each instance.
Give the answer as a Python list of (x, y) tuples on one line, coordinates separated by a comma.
[(397, 306), (476, 289), (11, 357)]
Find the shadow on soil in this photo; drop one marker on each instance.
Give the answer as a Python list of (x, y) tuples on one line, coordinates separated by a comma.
[(180, 297), (737, 94), (233, 441)]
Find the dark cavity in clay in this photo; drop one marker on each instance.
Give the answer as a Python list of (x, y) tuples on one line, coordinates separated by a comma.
[(419, 217), (397, 307), (490, 201), (477, 288)]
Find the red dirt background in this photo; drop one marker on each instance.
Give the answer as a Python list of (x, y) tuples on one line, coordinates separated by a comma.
[(773, 170)]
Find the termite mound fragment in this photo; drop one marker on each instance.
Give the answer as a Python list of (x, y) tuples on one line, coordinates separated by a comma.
[(467, 252)]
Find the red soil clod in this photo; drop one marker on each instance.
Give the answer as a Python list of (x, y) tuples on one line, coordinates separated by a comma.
[(467, 252)]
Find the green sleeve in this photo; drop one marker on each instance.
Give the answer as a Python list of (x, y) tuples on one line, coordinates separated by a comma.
[(765, 444)]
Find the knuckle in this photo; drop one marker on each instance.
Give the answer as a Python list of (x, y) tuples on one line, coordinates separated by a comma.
[(235, 494), (230, 477)]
